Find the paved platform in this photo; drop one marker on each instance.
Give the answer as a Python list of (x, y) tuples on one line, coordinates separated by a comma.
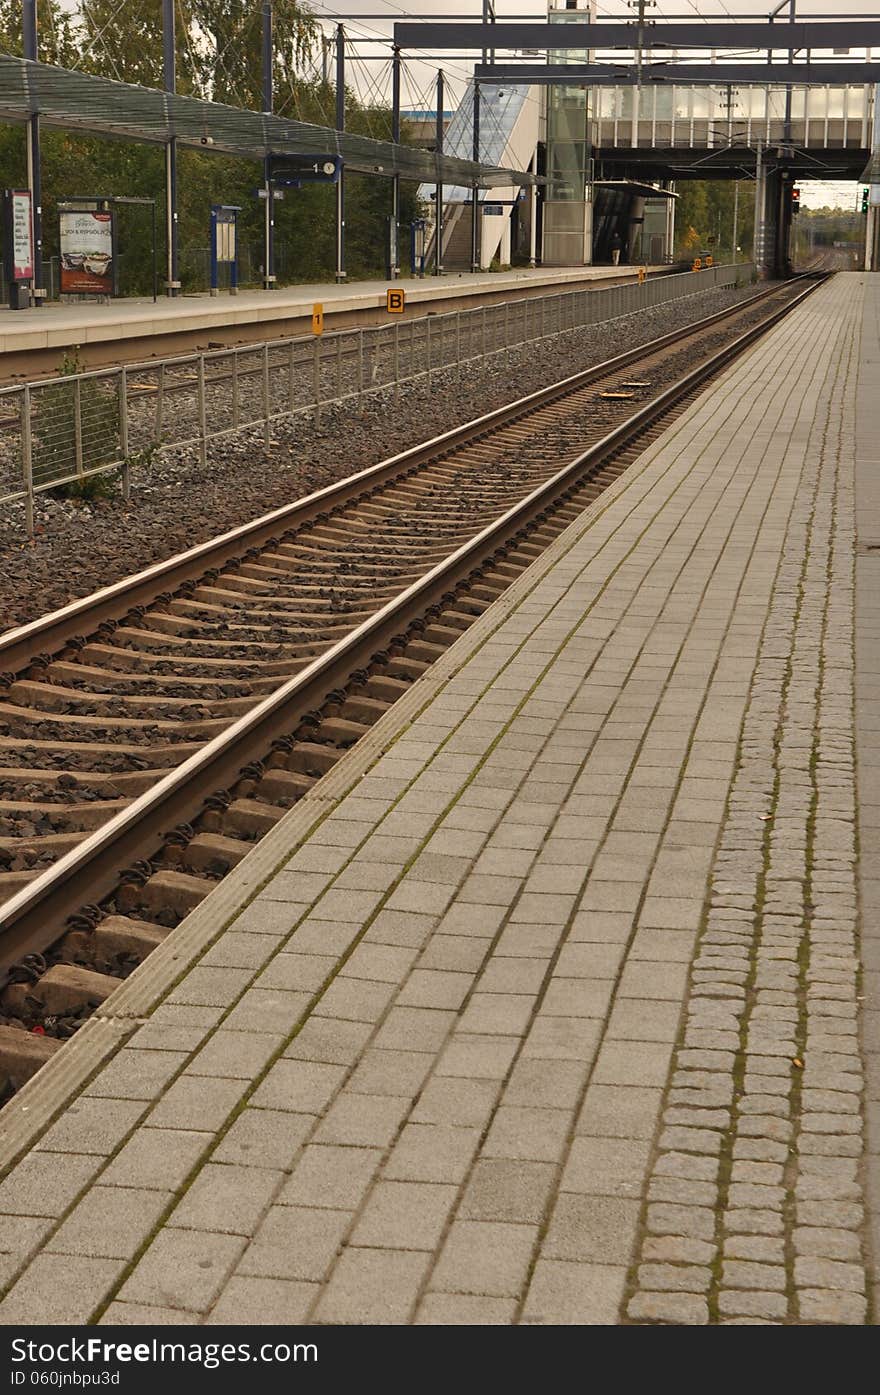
[(287, 310), (544, 1006)]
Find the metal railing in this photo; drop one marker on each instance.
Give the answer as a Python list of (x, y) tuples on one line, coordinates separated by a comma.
[(62, 430)]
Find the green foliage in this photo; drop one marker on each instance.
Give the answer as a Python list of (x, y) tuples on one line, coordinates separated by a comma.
[(89, 489), (219, 60), (68, 414), (705, 209)]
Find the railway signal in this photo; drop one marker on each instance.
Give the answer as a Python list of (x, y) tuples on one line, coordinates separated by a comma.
[(795, 200), (865, 193)]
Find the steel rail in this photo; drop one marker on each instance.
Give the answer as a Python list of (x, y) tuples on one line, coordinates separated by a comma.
[(19, 646), (35, 916)]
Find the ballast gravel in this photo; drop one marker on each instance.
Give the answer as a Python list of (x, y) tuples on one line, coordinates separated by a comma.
[(177, 502)]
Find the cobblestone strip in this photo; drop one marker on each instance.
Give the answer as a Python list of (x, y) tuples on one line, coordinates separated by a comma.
[(753, 1206)]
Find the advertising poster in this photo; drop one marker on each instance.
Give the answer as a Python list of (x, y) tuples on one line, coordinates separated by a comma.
[(87, 253), (22, 234)]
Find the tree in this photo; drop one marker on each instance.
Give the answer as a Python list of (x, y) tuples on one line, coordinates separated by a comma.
[(55, 37), (228, 48), (705, 209), (219, 57)]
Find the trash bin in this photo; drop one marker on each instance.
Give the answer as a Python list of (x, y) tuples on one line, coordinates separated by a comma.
[(20, 295)]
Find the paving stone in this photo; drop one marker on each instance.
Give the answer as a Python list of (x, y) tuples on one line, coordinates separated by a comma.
[(683, 1192), (464, 1310), (751, 1221), (664, 1218), (226, 1199), (295, 1242), (606, 1167), (562, 1038), (404, 1215), (686, 1309), (142, 1315), (20, 1234), (362, 1120), (252, 1302), (331, 1042), (504, 1190), (414, 1029), (610, 1111), (305, 1087), (675, 1249), (110, 1222), (536, 1135), (632, 1063), (182, 1269), (752, 1304), (484, 1257), (832, 1306), (59, 1289), (764, 1248), (562, 1292), (45, 1184), (812, 1272), (136, 1075), (197, 1102), (828, 1244), (432, 1153), (327, 1176), (477, 1057), (92, 1126), (737, 1273), (264, 1138), (598, 1230), (454, 1100), (372, 1286)]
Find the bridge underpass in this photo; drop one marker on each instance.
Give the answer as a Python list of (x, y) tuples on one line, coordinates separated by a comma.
[(632, 118)]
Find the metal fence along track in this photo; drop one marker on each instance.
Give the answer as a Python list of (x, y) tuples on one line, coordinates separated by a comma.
[(67, 428)]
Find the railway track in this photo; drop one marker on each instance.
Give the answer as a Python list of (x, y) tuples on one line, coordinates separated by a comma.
[(150, 734)]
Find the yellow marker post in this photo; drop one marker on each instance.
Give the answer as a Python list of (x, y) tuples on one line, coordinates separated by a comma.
[(698, 265), (317, 319), (642, 275), (395, 301)]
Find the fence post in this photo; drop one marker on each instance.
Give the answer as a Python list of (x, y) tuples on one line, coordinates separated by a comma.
[(160, 401), (123, 432), (267, 430), (396, 353), (458, 343), (316, 377), (236, 406), (27, 460), (203, 420), (339, 365), (360, 357), (77, 425), (291, 374)]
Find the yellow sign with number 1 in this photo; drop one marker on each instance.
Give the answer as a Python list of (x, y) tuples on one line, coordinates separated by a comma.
[(317, 319)]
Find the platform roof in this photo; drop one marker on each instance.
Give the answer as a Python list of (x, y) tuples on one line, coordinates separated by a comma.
[(80, 101), (636, 186)]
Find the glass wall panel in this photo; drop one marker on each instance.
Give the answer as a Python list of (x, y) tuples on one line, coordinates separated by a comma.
[(816, 100), (663, 103)]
